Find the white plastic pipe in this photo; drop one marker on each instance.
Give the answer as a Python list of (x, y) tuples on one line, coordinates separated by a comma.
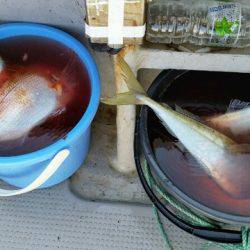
[(147, 58)]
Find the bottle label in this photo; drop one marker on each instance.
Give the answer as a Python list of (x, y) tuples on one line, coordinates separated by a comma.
[(224, 19)]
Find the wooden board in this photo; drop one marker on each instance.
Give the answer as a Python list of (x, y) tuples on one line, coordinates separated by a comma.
[(134, 15)]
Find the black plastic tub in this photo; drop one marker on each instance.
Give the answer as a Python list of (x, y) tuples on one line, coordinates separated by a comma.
[(212, 92)]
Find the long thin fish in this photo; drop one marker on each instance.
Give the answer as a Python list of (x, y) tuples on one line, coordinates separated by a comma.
[(221, 157)]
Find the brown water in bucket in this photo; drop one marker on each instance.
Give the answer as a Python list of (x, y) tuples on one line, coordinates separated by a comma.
[(204, 94), (61, 67)]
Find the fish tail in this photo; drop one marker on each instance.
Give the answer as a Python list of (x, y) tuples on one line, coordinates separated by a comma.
[(135, 90)]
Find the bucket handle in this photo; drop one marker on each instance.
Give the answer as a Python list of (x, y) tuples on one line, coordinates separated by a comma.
[(56, 162)]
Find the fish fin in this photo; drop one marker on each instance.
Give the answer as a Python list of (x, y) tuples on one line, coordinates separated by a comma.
[(134, 87), (237, 104), (129, 77), (165, 105), (121, 99), (187, 113), (183, 112)]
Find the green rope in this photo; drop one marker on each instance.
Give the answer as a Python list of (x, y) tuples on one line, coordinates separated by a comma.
[(184, 211), (224, 246), (245, 245), (168, 245), (245, 238)]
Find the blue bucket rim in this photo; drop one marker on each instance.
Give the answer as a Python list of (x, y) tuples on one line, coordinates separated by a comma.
[(31, 29)]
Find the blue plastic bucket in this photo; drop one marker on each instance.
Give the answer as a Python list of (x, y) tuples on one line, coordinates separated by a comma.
[(65, 156)]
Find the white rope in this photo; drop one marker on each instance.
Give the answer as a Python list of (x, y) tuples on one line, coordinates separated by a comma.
[(115, 32), (127, 31), (115, 21), (97, 3)]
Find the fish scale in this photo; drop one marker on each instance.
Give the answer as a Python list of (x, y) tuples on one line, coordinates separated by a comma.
[(24, 103)]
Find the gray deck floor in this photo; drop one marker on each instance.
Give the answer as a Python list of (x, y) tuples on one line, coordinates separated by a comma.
[(56, 219), (66, 217)]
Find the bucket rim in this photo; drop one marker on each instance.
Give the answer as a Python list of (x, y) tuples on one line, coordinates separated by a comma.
[(17, 29), (167, 75), (216, 235)]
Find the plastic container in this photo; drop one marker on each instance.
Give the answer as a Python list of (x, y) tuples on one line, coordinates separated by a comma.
[(208, 23), (144, 151), (57, 162)]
